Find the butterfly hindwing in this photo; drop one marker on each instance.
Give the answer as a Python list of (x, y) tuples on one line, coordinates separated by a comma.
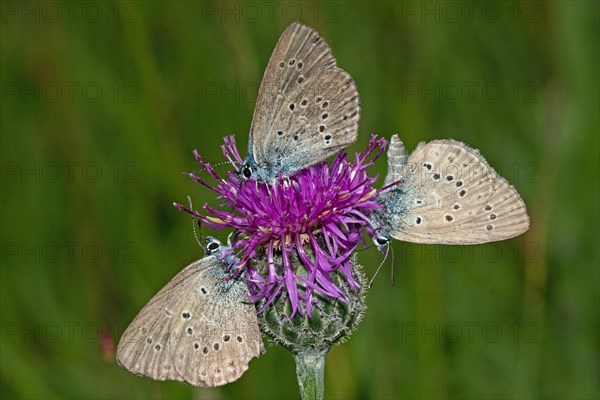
[(219, 331)]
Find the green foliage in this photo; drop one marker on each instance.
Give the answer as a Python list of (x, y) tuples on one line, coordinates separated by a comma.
[(101, 112)]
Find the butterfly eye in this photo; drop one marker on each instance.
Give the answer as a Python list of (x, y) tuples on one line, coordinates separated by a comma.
[(381, 241), (213, 247), (246, 171)]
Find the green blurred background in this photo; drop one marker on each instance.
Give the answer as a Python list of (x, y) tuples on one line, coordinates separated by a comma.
[(103, 103)]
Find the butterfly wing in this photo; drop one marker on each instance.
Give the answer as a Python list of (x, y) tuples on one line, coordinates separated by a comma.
[(307, 108), (449, 195), (146, 347), (217, 330), (155, 344), (397, 159)]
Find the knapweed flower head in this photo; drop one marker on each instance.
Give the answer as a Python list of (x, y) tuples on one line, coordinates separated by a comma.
[(323, 208)]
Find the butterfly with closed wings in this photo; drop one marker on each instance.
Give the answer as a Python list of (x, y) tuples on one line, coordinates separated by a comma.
[(446, 193), (198, 329), (307, 108)]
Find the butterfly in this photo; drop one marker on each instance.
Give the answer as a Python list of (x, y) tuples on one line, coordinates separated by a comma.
[(197, 329), (307, 108), (445, 193)]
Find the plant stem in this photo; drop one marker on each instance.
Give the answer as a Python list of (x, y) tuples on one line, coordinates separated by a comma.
[(310, 368)]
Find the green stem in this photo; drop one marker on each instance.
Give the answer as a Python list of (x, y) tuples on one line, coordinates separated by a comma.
[(310, 368)]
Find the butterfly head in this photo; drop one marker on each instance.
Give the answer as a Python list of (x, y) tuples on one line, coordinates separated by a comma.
[(223, 252)]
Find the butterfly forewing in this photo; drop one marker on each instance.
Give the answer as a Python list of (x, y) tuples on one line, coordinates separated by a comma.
[(445, 197), (307, 108), (146, 347)]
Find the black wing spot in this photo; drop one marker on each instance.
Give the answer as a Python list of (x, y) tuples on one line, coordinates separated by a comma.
[(418, 221), (186, 315), (282, 65), (300, 65), (304, 102), (296, 137), (226, 338), (327, 137), (292, 106), (300, 79), (324, 116), (321, 128), (449, 218), (292, 62), (489, 227), (462, 193), (216, 346), (325, 104), (458, 183), (157, 347), (196, 346), (279, 133), (239, 339)]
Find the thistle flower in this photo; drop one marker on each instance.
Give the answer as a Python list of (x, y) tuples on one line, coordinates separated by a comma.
[(324, 207)]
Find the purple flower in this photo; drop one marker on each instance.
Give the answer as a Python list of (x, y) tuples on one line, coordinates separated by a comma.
[(315, 217)]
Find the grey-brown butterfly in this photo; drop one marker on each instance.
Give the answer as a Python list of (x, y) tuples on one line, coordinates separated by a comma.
[(307, 108), (197, 329), (448, 194)]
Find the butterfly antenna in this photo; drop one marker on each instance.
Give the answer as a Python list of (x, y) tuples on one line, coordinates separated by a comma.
[(194, 224), (387, 250), (202, 169), (393, 261)]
